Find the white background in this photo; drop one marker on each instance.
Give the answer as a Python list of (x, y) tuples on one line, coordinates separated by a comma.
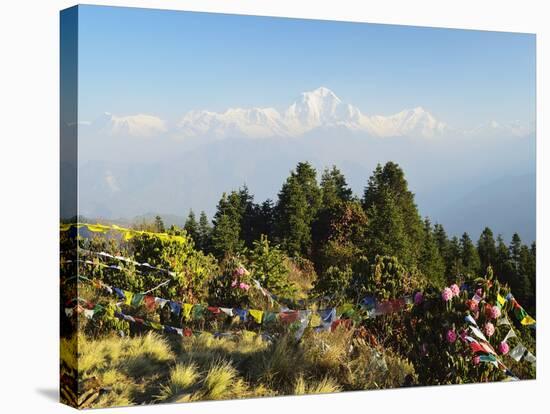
[(29, 194)]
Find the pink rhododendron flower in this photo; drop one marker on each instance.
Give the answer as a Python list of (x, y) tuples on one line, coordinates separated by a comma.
[(244, 286), (494, 312), (446, 294), (234, 283), (451, 336), (240, 271), (472, 305), (475, 360), (503, 348), (418, 298), (455, 289), (489, 329)]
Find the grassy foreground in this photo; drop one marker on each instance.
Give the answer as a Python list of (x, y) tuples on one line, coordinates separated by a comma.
[(151, 368)]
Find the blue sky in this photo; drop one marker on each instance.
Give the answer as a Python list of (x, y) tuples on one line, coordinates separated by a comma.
[(166, 63)]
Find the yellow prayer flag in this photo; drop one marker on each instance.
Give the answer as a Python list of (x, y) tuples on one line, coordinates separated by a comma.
[(187, 307), (315, 320), (98, 228), (528, 321), (156, 326), (129, 296), (257, 315), (501, 300)]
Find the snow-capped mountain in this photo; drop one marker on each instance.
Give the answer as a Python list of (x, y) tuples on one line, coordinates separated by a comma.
[(140, 125), (320, 108), (494, 128)]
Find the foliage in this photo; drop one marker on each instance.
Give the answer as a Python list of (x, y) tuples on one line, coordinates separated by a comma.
[(395, 227), (269, 267), (317, 246), (299, 200)]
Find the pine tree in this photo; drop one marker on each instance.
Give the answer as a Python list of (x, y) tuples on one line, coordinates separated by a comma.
[(431, 264), (469, 256), (503, 266), (297, 206), (386, 232), (159, 224), (387, 197), (334, 188), (454, 260), (227, 225), (192, 228), (487, 249), (515, 251), (205, 233), (441, 240)]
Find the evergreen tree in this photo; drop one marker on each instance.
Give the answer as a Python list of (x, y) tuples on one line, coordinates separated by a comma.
[(334, 188), (454, 260), (299, 201), (431, 264), (386, 232), (469, 256), (441, 240), (486, 249), (387, 197), (227, 225), (159, 224), (268, 265), (503, 266), (192, 228), (204, 233), (515, 252)]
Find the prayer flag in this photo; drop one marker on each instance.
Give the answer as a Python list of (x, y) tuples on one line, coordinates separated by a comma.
[(503, 321), (175, 307), (214, 309), (303, 319), (257, 315), (137, 299), (269, 317), (510, 334), (198, 312), (128, 297), (478, 333), (150, 302), (517, 352), (529, 357), (470, 320), (241, 313), (288, 316)]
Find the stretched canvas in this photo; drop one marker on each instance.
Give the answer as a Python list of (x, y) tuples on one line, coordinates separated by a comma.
[(258, 207)]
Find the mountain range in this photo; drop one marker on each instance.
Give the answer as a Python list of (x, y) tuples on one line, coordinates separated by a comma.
[(465, 179), (313, 110)]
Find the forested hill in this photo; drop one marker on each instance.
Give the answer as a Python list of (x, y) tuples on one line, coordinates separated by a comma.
[(339, 233)]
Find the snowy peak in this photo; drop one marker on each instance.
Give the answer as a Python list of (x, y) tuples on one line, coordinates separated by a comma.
[(140, 125), (417, 122), (312, 110)]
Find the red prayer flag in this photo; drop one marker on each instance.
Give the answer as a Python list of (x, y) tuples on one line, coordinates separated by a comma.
[(288, 317), (150, 303)]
